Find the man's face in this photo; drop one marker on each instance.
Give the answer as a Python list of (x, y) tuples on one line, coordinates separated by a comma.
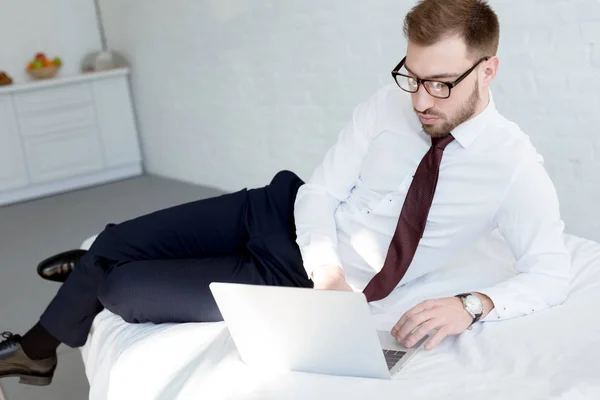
[(444, 61)]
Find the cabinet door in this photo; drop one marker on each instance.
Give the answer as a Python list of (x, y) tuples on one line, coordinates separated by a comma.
[(63, 154), (116, 121), (13, 173)]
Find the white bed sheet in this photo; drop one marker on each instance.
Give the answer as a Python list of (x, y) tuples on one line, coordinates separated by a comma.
[(553, 354)]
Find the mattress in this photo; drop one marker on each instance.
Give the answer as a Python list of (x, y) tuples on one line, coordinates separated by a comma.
[(553, 354)]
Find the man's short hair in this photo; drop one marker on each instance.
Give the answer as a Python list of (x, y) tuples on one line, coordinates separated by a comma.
[(474, 20)]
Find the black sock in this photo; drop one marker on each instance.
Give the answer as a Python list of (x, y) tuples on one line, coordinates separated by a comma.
[(38, 343)]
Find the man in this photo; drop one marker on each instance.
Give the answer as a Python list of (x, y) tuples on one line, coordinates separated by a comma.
[(426, 167)]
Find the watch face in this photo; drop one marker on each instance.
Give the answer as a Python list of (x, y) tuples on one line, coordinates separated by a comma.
[(473, 305)]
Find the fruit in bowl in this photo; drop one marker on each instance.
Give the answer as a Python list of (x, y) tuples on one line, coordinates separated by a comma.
[(5, 79), (41, 67)]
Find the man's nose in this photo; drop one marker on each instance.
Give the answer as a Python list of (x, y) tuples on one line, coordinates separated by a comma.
[(422, 101)]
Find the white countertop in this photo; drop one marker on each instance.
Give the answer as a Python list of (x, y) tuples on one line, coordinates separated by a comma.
[(62, 80)]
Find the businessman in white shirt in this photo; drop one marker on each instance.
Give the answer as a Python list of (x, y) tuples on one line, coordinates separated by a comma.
[(425, 167), (490, 177)]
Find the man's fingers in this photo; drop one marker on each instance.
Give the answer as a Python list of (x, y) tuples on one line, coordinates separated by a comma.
[(422, 331), (437, 338), (413, 322), (425, 305)]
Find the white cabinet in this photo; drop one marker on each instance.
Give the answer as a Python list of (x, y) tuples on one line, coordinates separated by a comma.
[(13, 173), (63, 154), (65, 134)]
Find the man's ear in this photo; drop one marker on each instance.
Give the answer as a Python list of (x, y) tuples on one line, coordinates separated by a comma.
[(489, 70)]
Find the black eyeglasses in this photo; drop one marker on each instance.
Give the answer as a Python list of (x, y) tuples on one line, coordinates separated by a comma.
[(437, 89)]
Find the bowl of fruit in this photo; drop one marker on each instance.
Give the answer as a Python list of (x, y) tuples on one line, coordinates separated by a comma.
[(42, 67)]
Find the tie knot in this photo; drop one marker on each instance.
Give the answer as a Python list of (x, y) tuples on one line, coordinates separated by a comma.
[(442, 141)]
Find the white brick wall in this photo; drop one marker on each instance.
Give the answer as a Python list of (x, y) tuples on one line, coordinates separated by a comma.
[(549, 83), (230, 91)]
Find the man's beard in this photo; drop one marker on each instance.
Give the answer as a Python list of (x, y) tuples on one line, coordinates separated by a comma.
[(447, 126)]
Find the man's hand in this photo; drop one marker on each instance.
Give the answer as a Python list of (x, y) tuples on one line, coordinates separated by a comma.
[(447, 315), (330, 277)]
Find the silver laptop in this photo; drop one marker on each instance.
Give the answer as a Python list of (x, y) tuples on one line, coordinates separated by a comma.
[(318, 331)]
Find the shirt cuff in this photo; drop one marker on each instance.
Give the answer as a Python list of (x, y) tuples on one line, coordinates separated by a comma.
[(498, 313), (502, 309), (316, 255)]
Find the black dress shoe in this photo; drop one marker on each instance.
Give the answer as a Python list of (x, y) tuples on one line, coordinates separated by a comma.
[(14, 362), (57, 268)]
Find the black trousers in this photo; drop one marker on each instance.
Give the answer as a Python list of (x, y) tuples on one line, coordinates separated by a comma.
[(157, 268)]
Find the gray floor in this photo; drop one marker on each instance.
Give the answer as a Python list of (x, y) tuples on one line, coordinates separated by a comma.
[(34, 230)]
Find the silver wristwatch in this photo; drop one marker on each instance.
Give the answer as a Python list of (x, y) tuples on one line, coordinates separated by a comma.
[(473, 305)]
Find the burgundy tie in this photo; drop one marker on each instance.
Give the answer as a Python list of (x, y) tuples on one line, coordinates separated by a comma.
[(411, 223)]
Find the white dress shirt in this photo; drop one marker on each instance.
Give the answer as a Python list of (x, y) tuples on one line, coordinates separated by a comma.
[(490, 177)]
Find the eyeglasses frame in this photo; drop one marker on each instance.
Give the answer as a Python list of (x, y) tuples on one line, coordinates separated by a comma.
[(451, 85)]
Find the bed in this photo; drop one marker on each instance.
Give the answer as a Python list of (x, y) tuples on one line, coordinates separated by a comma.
[(553, 354)]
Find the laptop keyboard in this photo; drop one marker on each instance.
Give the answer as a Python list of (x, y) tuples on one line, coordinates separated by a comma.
[(392, 357)]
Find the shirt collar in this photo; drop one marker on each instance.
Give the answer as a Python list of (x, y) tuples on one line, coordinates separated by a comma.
[(467, 132)]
